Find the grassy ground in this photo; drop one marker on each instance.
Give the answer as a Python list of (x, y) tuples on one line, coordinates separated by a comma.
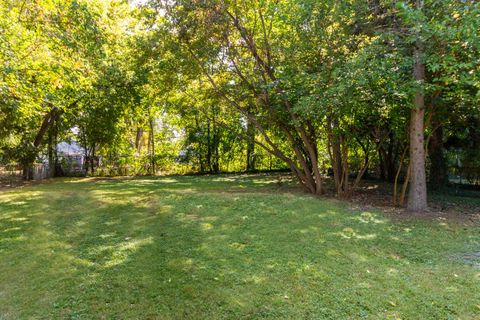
[(231, 247)]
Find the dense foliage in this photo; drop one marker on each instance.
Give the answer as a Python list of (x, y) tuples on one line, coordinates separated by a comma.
[(347, 89)]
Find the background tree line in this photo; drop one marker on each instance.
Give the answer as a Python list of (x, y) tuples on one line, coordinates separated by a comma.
[(323, 88)]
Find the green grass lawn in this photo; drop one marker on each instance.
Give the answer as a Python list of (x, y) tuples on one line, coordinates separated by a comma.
[(229, 247)]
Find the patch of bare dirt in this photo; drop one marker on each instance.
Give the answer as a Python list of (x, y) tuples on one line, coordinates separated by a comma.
[(378, 195)]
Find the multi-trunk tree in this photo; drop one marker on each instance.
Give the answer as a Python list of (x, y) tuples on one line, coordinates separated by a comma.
[(346, 89)]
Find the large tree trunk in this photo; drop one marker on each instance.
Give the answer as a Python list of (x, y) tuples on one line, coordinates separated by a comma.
[(417, 198), (27, 171)]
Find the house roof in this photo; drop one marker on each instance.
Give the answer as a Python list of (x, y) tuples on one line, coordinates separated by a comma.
[(70, 148)]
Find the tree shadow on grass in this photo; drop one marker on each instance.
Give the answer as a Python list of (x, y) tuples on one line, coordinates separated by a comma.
[(188, 248)]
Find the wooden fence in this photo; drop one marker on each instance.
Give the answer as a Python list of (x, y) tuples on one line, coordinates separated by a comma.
[(14, 172)]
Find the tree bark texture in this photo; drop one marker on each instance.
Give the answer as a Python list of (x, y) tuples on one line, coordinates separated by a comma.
[(417, 198)]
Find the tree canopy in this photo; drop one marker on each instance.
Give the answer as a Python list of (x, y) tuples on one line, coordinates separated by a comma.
[(333, 91)]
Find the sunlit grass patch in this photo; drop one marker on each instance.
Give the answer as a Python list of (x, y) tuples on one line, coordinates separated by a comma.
[(198, 248)]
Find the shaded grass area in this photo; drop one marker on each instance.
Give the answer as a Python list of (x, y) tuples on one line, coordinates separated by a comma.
[(236, 247)]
